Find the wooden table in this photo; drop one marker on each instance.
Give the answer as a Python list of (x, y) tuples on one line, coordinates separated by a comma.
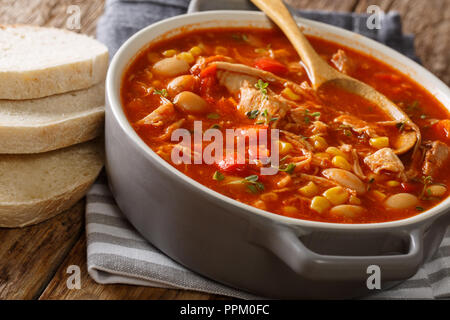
[(34, 260)]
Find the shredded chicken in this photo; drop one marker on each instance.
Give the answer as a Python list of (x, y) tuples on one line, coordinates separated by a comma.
[(435, 158), (234, 81), (254, 72), (162, 115), (297, 141), (202, 62), (357, 125), (303, 89), (342, 62), (168, 133), (385, 159), (319, 127), (319, 180), (356, 166), (271, 107)]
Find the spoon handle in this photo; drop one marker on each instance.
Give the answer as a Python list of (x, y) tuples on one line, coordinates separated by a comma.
[(318, 70)]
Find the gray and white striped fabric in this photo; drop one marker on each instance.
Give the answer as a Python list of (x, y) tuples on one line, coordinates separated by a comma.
[(116, 253)]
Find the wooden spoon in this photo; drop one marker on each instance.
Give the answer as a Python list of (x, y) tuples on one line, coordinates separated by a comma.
[(320, 72)]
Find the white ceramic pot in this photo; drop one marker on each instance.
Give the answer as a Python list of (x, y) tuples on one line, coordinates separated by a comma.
[(242, 246)]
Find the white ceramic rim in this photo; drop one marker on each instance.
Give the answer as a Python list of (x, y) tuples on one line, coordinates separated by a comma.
[(210, 19)]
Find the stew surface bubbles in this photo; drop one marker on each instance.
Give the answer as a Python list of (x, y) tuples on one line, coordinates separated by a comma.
[(336, 159)]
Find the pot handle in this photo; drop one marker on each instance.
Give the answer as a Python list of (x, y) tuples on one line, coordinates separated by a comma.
[(283, 242)]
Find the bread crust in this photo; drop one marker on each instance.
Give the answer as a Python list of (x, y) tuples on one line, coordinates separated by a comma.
[(31, 210), (41, 81)]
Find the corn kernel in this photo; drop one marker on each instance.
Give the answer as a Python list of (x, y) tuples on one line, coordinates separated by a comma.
[(156, 83), (289, 94), (336, 152), (186, 56), (169, 53), (354, 200), (221, 50), (393, 183), (380, 142), (284, 147), (320, 204), (336, 195), (309, 190), (153, 57), (340, 162), (378, 195), (319, 142), (196, 51), (290, 210)]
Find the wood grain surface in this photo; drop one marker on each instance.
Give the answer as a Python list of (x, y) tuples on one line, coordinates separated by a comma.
[(34, 260), (90, 290), (30, 256)]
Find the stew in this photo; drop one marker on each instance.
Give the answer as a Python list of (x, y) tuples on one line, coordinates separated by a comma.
[(335, 150)]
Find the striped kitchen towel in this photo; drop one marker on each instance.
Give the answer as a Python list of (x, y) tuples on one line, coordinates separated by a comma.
[(117, 253)]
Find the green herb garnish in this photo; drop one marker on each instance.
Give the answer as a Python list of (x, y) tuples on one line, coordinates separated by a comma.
[(420, 208), (253, 114), (284, 158), (307, 118), (253, 185), (427, 179), (262, 86), (289, 168), (162, 92), (218, 176), (213, 116)]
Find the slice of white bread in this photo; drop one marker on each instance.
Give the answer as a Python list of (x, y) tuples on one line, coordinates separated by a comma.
[(37, 62), (40, 125), (37, 187)]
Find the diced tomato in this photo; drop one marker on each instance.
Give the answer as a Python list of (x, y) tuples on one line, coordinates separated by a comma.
[(271, 65), (209, 71), (230, 165), (442, 129), (207, 85), (411, 186), (226, 106)]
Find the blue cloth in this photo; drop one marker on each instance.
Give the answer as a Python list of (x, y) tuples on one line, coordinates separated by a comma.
[(123, 18)]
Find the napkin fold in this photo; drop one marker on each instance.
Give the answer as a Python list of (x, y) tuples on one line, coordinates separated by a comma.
[(117, 253)]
